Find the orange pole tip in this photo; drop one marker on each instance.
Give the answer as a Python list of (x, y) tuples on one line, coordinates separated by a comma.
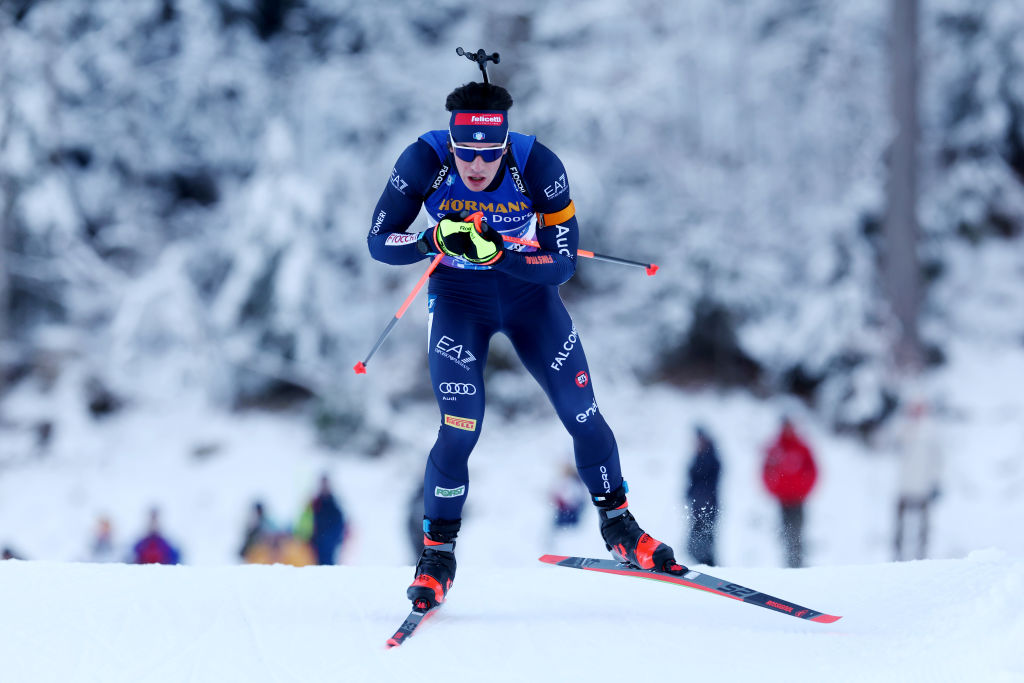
[(360, 368), (651, 269)]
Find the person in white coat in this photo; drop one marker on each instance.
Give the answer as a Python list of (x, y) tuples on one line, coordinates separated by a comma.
[(920, 476)]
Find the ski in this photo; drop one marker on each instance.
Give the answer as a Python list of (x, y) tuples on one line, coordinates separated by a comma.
[(416, 617), (694, 579)]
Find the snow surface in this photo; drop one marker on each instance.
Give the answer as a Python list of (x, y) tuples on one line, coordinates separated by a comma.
[(510, 618), (937, 620)]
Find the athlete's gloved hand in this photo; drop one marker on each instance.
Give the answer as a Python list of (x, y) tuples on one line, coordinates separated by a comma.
[(488, 242), (463, 235)]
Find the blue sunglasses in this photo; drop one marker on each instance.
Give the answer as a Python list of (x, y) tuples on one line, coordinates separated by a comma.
[(488, 154)]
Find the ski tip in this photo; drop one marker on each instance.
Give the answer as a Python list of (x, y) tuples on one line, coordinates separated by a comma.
[(553, 559), (826, 618), (360, 368)]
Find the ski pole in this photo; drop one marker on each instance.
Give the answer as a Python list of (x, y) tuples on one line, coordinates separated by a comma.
[(360, 367), (649, 267)]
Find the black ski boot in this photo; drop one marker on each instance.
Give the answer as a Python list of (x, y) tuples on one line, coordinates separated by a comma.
[(435, 569), (627, 541)]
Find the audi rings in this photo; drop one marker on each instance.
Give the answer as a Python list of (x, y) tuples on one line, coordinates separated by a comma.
[(457, 388)]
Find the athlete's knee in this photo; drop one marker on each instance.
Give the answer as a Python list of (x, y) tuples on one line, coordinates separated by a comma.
[(459, 433), (588, 425), (456, 439)]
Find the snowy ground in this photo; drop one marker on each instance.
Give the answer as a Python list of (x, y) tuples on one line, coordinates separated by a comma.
[(952, 618), (937, 620)]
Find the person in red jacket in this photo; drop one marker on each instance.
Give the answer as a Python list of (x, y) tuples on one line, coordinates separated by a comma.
[(789, 474), (154, 548)]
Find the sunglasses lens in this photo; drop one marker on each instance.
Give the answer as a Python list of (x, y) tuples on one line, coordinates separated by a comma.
[(488, 155)]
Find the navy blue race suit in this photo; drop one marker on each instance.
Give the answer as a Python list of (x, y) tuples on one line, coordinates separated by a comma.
[(518, 296)]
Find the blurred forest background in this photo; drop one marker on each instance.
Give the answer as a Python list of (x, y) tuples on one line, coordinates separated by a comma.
[(186, 188)]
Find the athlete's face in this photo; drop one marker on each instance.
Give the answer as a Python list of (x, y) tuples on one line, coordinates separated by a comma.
[(478, 174)]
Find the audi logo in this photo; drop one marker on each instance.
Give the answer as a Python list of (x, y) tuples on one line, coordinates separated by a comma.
[(457, 388)]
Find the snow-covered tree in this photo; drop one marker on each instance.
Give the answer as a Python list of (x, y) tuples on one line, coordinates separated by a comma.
[(186, 185)]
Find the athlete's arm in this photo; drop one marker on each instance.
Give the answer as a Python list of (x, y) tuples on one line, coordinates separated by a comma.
[(400, 204), (555, 261)]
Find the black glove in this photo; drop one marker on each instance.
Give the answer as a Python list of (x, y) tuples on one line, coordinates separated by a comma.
[(465, 236)]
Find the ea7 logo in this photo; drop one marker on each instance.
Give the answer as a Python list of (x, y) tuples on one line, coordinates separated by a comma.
[(556, 188), (445, 344), (397, 182), (454, 352)]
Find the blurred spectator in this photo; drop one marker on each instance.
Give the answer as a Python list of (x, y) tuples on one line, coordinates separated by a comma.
[(266, 543), (921, 461), (102, 547), (44, 436), (702, 498), (153, 548), (281, 547), (8, 554), (568, 497), (323, 524), (257, 530), (789, 474)]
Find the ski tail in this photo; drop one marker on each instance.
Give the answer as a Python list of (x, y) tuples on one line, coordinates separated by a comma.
[(695, 579)]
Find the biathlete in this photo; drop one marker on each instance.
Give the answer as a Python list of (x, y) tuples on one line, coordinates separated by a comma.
[(479, 182)]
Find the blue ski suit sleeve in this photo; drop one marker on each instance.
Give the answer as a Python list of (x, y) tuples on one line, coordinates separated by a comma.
[(399, 205), (555, 262)]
